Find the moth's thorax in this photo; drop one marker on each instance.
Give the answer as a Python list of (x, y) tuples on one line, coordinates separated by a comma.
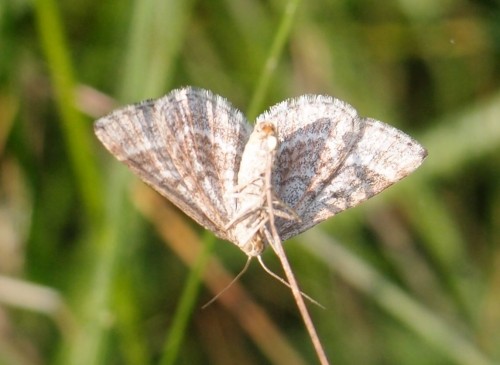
[(259, 152), (257, 160)]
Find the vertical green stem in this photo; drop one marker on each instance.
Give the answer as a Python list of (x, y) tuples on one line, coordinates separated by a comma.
[(186, 304), (272, 59), (76, 132)]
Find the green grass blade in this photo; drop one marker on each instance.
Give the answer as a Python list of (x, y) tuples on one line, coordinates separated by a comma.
[(279, 41), (77, 134), (186, 304)]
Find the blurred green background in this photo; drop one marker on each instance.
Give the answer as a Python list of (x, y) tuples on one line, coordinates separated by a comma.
[(96, 269)]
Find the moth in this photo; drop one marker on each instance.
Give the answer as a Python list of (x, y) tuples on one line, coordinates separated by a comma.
[(200, 152)]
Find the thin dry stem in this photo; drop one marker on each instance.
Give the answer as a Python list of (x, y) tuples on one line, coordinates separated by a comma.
[(297, 294)]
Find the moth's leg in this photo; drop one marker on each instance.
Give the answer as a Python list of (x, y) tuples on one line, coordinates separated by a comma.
[(285, 212), (238, 188), (244, 215), (261, 226), (280, 208)]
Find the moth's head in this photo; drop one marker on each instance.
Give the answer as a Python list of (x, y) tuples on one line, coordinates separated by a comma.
[(254, 246), (267, 131)]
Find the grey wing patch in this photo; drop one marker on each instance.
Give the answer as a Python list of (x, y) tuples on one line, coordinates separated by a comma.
[(187, 146), (316, 134), (331, 159)]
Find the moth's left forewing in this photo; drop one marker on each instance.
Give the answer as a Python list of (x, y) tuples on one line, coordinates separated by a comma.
[(316, 134)]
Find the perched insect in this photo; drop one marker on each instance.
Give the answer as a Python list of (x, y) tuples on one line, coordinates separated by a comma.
[(198, 151)]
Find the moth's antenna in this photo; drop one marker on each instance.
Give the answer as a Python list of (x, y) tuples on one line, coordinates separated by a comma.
[(284, 282), (230, 284)]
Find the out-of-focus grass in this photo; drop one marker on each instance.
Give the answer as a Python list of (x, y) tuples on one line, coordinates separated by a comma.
[(90, 277)]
